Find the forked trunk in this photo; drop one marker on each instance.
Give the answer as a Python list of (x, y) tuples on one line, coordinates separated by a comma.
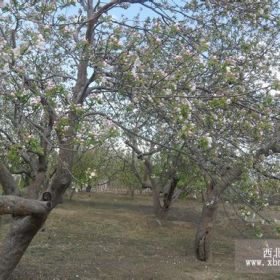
[(33, 189), (161, 208), (17, 241), (205, 226), (204, 230), (215, 188), (24, 229), (168, 197)]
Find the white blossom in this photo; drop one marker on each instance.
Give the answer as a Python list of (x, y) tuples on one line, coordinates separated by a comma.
[(192, 87), (228, 69), (16, 52), (228, 101), (209, 139)]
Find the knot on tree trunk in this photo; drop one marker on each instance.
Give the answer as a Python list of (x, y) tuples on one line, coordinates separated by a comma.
[(47, 196)]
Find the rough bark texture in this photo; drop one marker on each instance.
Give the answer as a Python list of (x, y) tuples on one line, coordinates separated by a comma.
[(168, 196), (161, 208), (24, 229), (7, 181), (18, 206), (206, 223), (204, 230), (33, 189), (17, 241), (214, 189)]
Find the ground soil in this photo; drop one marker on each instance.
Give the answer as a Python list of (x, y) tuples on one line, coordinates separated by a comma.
[(102, 236)]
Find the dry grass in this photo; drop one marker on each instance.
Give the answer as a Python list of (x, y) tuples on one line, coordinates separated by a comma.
[(113, 237)]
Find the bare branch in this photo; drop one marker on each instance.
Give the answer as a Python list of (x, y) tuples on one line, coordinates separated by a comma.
[(19, 206), (7, 181)]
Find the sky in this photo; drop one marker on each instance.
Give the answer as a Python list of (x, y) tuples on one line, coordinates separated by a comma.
[(130, 13)]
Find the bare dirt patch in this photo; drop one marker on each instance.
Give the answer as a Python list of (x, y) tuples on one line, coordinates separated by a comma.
[(113, 237)]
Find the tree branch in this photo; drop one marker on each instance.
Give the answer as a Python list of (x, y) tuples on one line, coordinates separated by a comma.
[(19, 206), (7, 181)]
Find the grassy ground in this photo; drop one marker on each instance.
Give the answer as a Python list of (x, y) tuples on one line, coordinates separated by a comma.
[(114, 237)]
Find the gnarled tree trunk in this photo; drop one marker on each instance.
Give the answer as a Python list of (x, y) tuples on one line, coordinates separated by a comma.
[(205, 226), (161, 208), (204, 230), (217, 185), (168, 196), (215, 188), (17, 241), (23, 229), (29, 216)]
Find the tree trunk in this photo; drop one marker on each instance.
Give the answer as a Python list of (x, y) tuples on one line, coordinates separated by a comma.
[(72, 193), (7, 181), (216, 186), (33, 188), (17, 241), (168, 197), (24, 229), (205, 226), (161, 209), (204, 230), (156, 202)]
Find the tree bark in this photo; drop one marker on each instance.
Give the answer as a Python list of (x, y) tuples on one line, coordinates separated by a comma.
[(168, 197), (204, 230), (24, 229), (161, 208), (7, 181), (33, 188), (156, 201), (17, 241), (215, 188), (18, 206)]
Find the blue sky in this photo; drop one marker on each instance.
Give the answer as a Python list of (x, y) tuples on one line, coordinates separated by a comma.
[(132, 11)]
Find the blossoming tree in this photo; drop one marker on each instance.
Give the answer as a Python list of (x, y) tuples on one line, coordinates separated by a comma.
[(52, 61)]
